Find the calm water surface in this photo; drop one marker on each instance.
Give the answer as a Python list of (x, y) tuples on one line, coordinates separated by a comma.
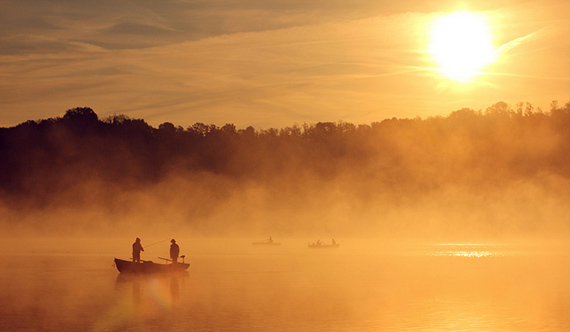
[(233, 286)]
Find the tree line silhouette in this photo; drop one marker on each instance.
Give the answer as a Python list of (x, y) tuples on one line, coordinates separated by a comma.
[(404, 157)]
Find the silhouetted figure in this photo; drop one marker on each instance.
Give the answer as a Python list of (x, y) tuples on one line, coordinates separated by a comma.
[(174, 251), (137, 248), (333, 242), (270, 240)]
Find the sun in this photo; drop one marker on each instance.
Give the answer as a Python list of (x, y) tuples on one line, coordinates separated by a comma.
[(461, 44)]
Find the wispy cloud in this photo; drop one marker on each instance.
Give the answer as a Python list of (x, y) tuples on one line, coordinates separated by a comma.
[(507, 47)]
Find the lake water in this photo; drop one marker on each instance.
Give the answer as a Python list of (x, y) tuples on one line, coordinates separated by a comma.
[(234, 286)]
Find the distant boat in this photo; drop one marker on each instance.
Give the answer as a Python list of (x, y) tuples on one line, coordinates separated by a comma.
[(265, 243), (147, 267), (320, 245), (268, 242)]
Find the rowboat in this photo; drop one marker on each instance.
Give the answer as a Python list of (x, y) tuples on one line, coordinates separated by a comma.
[(320, 245), (268, 242), (148, 267)]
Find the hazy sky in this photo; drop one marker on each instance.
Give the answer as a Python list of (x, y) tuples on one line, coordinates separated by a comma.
[(268, 63)]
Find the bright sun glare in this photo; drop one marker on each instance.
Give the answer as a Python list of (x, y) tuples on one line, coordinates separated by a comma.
[(461, 44)]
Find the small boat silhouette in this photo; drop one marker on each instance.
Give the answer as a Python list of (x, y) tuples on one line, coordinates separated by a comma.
[(147, 267)]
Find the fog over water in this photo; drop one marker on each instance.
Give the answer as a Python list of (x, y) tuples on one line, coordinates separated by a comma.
[(327, 209), (214, 206)]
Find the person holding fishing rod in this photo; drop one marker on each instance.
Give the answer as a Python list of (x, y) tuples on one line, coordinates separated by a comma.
[(137, 248), (174, 251)]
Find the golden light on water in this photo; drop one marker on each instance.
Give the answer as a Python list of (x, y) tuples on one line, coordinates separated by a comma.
[(468, 253), (461, 44), (469, 250)]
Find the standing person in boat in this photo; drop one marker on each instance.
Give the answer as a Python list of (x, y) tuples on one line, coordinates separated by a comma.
[(174, 251), (137, 248)]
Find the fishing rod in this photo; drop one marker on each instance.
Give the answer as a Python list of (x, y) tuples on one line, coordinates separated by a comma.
[(152, 244)]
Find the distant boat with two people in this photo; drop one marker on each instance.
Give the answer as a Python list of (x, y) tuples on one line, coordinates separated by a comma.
[(268, 242), (321, 245)]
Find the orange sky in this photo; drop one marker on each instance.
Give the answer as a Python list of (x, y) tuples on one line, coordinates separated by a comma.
[(268, 64)]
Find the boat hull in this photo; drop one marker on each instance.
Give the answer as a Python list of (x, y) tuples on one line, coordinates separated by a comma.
[(148, 267), (324, 246)]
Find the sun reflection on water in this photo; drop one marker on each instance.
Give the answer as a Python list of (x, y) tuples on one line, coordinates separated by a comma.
[(468, 250)]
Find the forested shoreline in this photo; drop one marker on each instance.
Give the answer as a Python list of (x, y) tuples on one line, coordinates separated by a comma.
[(58, 161)]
